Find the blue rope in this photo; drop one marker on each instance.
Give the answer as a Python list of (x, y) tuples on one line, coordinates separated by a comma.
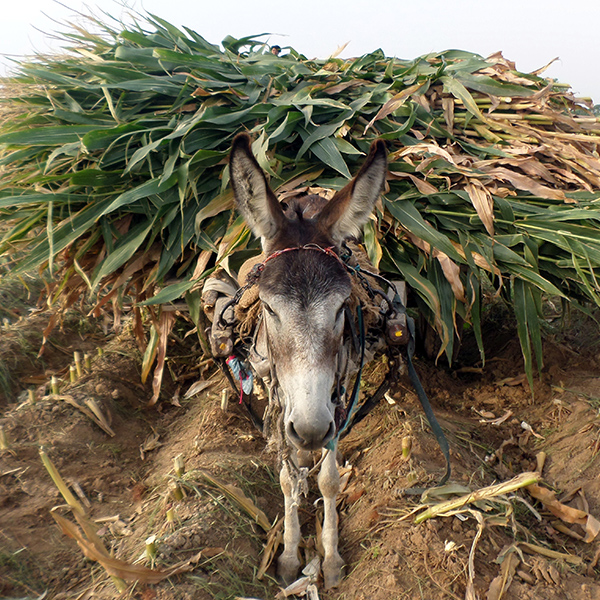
[(414, 378), (353, 405)]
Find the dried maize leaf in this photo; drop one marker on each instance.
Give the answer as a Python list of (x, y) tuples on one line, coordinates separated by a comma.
[(452, 273), (119, 568), (165, 324), (566, 513), (486, 493), (274, 540), (238, 497)]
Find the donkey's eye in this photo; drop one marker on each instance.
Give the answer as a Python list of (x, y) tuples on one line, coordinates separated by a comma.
[(340, 313), (269, 310)]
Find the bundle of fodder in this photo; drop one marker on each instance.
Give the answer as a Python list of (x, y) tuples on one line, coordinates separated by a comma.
[(114, 178)]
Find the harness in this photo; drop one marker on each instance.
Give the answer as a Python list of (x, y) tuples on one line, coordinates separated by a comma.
[(399, 332)]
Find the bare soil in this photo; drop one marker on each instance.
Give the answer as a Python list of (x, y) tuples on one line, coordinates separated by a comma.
[(127, 480)]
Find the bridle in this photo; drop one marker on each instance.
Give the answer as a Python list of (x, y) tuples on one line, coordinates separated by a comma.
[(344, 414), (255, 273), (353, 413), (329, 250)]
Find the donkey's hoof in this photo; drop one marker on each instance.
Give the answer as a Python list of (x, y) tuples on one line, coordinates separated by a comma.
[(332, 571), (287, 568)]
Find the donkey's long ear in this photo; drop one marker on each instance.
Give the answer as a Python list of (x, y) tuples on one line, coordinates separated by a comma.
[(254, 198), (350, 208)]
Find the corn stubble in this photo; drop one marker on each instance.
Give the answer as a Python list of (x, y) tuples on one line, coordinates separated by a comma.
[(83, 531)]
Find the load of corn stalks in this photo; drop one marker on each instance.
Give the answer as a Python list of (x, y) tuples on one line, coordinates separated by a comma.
[(113, 176)]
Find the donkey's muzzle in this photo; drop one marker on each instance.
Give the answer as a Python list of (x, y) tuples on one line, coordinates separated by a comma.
[(310, 436)]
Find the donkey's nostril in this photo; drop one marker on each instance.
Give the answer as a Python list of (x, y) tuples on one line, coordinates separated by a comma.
[(330, 434), (291, 431), (310, 436)]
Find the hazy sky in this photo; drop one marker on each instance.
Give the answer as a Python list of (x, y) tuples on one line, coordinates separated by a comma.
[(529, 32)]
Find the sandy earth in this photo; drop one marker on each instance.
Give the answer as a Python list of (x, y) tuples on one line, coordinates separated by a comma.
[(128, 484)]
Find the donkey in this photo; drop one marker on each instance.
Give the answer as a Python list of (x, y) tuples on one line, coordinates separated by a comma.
[(304, 288)]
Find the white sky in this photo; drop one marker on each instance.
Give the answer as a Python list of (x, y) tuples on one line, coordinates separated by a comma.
[(529, 32)]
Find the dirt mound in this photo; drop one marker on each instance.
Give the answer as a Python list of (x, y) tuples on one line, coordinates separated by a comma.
[(118, 460)]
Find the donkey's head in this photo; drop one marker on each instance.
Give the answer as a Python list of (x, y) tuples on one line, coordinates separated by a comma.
[(303, 291)]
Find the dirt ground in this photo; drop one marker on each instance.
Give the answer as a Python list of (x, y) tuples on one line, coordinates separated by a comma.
[(123, 474)]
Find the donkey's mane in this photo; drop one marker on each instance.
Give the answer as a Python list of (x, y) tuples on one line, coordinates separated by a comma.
[(301, 224)]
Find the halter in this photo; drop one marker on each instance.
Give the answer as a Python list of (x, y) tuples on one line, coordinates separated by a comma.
[(254, 274), (354, 412), (258, 269)]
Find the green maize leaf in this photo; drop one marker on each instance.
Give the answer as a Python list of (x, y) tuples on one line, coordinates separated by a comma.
[(406, 213), (526, 274), (520, 300), (559, 214), (424, 288), (585, 268), (47, 136), (169, 293), (102, 139), (36, 199), (65, 233), (326, 151), (17, 156), (64, 80), (447, 302), (346, 147), (458, 90), (462, 62), (565, 230), (473, 292), (160, 85), (319, 133), (141, 153), (71, 149), (154, 186), (94, 178), (207, 158), (237, 117), (194, 301), (534, 317), (493, 87), (127, 247), (288, 126), (234, 45), (28, 220), (527, 302), (139, 56)]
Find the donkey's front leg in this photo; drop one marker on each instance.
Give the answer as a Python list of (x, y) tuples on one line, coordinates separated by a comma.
[(289, 563), (329, 484)]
